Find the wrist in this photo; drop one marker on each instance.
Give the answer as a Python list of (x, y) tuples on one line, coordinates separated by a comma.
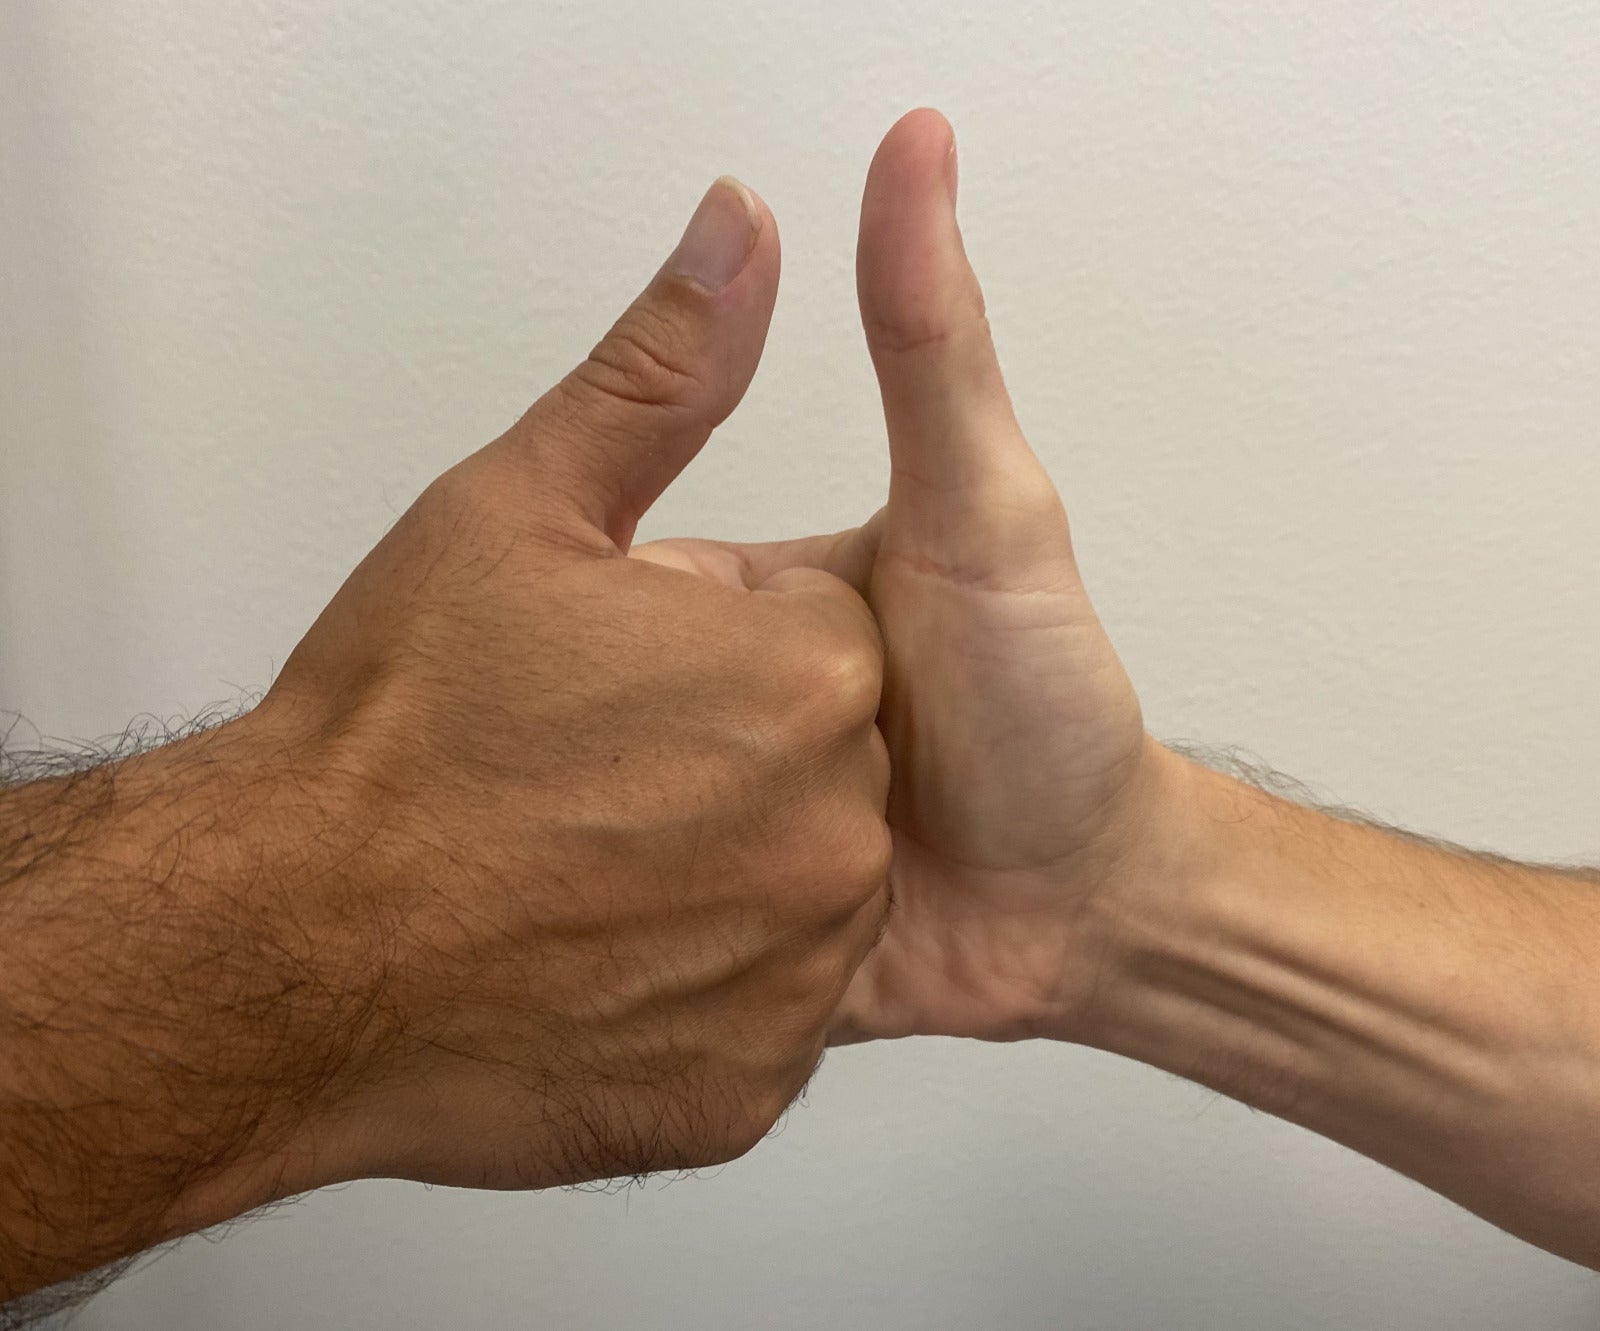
[(1178, 829), (179, 971), (286, 878), (1285, 957)]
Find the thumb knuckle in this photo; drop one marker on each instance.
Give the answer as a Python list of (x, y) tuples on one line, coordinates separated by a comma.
[(645, 360)]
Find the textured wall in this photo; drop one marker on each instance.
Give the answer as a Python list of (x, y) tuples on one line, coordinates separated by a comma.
[(1299, 301)]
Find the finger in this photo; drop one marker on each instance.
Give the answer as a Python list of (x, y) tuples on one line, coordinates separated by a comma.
[(858, 675), (861, 1013), (848, 555), (963, 474), (615, 432), (871, 921), (852, 1023), (880, 767), (836, 603)]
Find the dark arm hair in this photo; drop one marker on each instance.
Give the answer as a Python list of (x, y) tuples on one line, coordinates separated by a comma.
[(154, 1010)]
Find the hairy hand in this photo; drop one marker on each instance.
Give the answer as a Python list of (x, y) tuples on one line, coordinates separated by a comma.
[(627, 826), (538, 864), (1022, 769)]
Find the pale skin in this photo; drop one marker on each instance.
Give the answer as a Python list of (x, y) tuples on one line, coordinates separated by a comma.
[(531, 867), (1057, 873)]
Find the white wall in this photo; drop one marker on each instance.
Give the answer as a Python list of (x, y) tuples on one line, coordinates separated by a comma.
[(1299, 299)]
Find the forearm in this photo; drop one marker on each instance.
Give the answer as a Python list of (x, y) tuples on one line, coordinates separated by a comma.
[(1437, 1011), (165, 1017)]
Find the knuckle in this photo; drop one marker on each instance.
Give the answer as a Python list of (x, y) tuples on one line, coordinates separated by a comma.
[(880, 766), (868, 850), (814, 981), (905, 333), (644, 361), (844, 675), (850, 864), (877, 855)]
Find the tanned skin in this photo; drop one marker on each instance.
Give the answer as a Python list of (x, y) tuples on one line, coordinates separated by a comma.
[(537, 864)]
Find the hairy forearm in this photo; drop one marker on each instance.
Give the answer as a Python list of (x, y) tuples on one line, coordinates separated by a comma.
[(1435, 1010), (166, 1016)]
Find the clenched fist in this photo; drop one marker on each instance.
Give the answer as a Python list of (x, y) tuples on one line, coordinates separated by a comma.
[(627, 828), (538, 863)]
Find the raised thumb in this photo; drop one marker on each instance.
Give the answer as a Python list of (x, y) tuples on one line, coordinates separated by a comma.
[(612, 435), (966, 491)]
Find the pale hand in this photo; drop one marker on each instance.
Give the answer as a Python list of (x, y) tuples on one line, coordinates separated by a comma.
[(1022, 771)]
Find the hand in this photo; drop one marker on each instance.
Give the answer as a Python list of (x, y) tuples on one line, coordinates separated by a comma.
[(1024, 779), (622, 839), (1056, 872)]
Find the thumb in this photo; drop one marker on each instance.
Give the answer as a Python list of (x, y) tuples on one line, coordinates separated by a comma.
[(610, 437), (965, 487)]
